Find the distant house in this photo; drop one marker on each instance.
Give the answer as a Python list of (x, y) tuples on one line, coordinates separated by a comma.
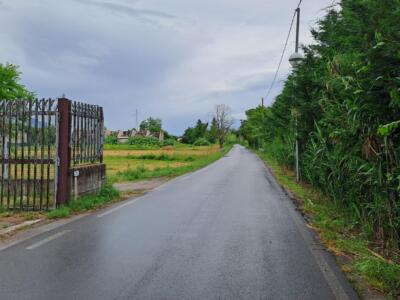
[(124, 135), (110, 133)]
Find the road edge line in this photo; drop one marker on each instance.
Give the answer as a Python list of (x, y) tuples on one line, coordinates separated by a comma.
[(326, 269)]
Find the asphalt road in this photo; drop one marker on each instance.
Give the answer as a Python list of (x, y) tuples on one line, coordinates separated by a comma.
[(224, 232)]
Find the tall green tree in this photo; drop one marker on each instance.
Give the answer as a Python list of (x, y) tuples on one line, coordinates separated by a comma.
[(212, 134), (192, 134), (151, 124), (10, 88)]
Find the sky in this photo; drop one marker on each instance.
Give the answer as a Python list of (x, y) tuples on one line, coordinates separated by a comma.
[(171, 59)]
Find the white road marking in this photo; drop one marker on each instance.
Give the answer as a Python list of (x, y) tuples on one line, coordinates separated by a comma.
[(46, 240), (110, 211), (31, 233)]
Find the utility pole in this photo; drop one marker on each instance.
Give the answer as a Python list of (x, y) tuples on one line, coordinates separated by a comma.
[(262, 102), (297, 29), (297, 133), (137, 120), (294, 59)]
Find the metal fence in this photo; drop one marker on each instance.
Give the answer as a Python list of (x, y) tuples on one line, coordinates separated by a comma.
[(36, 141), (86, 133), (28, 140)]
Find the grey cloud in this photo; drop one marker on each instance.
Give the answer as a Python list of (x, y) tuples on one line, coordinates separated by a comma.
[(103, 52), (146, 14)]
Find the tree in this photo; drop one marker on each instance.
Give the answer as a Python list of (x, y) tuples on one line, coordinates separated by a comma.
[(254, 128), (10, 89), (200, 129), (222, 115), (151, 124), (212, 134), (192, 134)]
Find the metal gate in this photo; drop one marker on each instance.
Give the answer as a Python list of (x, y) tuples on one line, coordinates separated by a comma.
[(28, 141), (41, 143)]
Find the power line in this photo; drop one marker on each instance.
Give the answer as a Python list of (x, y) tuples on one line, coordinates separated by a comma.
[(283, 52)]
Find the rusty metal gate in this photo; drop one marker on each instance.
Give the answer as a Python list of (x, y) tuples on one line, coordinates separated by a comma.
[(27, 150), (40, 140)]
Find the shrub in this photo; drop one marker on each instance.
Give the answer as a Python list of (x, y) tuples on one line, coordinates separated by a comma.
[(144, 141), (168, 142), (201, 142), (111, 140), (231, 139)]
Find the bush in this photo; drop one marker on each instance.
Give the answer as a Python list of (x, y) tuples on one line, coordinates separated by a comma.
[(144, 141), (111, 140), (168, 142), (201, 142), (231, 139)]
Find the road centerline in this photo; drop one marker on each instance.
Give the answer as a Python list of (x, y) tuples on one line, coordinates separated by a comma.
[(47, 240)]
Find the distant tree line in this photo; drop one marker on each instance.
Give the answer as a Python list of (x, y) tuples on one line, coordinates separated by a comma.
[(216, 131), (201, 133)]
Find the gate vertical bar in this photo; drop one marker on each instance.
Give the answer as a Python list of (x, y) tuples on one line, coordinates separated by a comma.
[(29, 141), (42, 127), (74, 134), (22, 155), (15, 181), (101, 134), (3, 142), (9, 153), (35, 152), (49, 140), (64, 150), (81, 134)]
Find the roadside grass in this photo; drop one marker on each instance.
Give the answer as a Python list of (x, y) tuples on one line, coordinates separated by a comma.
[(106, 195), (58, 213), (341, 235)]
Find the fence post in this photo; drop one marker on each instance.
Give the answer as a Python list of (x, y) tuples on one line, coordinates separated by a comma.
[(64, 150)]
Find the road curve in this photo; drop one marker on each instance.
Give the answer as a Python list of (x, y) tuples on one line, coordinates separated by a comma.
[(224, 232)]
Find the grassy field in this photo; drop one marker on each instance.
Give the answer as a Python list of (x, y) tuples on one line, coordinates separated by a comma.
[(125, 163)]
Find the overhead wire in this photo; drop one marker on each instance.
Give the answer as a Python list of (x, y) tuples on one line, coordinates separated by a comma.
[(283, 52)]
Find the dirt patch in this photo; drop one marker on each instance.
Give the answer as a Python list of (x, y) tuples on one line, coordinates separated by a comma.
[(143, 185)]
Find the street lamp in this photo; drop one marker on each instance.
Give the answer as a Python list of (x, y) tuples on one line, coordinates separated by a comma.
[(294, 60)]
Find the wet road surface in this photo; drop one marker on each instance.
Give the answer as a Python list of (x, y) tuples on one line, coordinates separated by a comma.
[(224, 232)]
